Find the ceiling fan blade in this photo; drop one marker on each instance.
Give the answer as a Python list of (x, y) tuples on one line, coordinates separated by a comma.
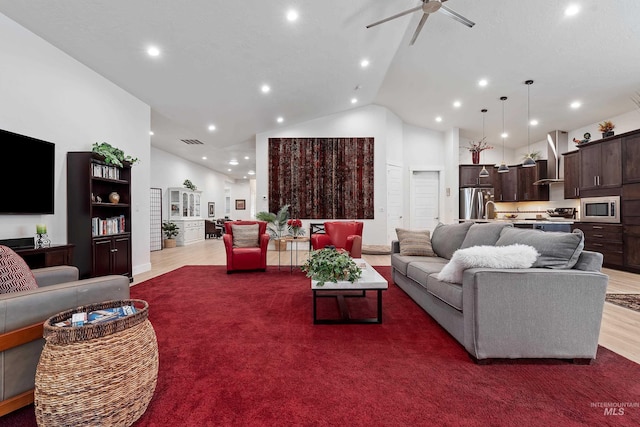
[(451, 14), (420, 25), (395, 16)]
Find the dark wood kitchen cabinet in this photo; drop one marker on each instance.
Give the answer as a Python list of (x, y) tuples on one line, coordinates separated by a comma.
[(600, 167), (603, 238), (508, 190), (631, 226), (572, 175), (470, 176), (527, 191), (631, 158)]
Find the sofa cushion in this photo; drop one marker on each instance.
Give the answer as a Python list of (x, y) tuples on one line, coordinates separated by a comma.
[(451, 293), (401, 263), (15, 274), (415, 242), (513, 256), (484, 234), (446, 239), (557, 250), (418, 271), (245, 236)]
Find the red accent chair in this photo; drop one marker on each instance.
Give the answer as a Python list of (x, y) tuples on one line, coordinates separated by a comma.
[(246, 258), (341, 234)]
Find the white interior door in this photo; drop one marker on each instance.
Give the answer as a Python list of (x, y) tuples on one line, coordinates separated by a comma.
[(394, 201), (425, 199)]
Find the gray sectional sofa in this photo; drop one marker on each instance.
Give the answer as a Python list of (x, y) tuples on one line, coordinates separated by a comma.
[(552, 310)]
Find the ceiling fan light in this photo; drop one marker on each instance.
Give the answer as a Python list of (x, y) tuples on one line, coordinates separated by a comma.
[(528, 162), (484, 173), (503, 168)]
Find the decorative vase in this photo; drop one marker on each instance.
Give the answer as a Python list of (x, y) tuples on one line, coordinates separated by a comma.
[(475, 157), (607, 134), (114, 197)]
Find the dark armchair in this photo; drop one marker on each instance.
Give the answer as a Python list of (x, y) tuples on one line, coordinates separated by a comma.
[(246, 245), (345, 235)]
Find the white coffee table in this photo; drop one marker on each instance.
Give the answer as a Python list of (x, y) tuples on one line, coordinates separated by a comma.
[(370, 280)]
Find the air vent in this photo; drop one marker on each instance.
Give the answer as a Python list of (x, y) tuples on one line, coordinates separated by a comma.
[(192, 141)]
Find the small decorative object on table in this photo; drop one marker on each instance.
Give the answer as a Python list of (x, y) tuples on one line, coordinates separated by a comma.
[(42, 240), (114, 197), (331, 265), (295, 228), (606, 128), (476, 148)]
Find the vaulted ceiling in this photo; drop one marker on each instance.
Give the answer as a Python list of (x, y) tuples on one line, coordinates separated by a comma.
[(216, 55)]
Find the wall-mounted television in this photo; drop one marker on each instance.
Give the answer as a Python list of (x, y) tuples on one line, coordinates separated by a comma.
[(26, 174)]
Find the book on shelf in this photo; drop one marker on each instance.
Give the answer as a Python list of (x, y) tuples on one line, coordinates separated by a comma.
[(113, 225)]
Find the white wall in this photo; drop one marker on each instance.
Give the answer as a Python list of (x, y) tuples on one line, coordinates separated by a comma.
[(46, 94)]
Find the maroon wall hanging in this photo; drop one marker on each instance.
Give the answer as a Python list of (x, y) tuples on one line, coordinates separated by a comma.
[(322, 178)]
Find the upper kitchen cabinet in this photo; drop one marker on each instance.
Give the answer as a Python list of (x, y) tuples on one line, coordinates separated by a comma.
[(527, 191), (572, 175), (631, 158), (508, 188), (470, 176), (600, 168)]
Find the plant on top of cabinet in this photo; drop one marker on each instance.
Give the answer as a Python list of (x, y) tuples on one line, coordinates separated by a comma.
[(112, 155), (606, 128), (187, 183)]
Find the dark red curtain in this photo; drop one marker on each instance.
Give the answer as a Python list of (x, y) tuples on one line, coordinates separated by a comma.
[(322, 178)]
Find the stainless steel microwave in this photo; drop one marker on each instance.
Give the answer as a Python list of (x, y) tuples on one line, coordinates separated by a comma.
[(600, 209)]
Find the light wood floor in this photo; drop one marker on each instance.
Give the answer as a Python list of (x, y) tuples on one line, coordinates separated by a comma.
[(620, 326)]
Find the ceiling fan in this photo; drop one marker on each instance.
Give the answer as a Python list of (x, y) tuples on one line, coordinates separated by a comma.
[(428, 7)]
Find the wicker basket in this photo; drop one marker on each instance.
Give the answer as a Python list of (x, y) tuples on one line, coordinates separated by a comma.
[(97, 375)]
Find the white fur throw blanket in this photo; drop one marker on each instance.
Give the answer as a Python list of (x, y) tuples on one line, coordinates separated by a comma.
[(512, 256)]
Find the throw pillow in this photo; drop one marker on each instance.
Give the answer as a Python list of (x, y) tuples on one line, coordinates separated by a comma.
[(415, 242), (15, 274), (513, 256), (447, 239), (484, 234), (557, 250), (245, 236)]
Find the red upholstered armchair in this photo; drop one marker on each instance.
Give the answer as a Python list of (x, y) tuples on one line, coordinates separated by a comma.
[(246, 245), (341, 234)]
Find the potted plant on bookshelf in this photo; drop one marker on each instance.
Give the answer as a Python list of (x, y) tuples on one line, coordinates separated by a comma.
[(331, 265), (606, 128), (112, 155), (170, 230), (277, 225)]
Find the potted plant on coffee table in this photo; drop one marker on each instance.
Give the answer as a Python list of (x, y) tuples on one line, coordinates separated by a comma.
[(170, 230), (331, 265), (277, 226)]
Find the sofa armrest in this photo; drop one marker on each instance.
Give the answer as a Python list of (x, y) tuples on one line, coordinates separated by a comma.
[(534, 312), (395, 246), (53, 275)]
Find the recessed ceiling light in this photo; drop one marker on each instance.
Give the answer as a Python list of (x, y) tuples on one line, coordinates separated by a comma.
[(153, 51), (151, 133), (280, 119), (576, 104), (457, 104), (265, 89), (504, 135), (251, 173), (354, 100), (204, 157), (292, 15), (364, 63), (228, 170), (244, 177), (212, 127), (572, 10), (233, 162), (246, 157), (438, 119), (483, 82), (533, 122)]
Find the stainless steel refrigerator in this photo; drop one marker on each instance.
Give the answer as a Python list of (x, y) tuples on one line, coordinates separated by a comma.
[(476, 202)]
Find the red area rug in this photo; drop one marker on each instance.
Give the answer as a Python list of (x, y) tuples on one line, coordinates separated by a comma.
[(241, 350)]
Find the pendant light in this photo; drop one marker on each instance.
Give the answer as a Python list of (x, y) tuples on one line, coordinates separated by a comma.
[(528, 161), (484, 173), (503, 167)]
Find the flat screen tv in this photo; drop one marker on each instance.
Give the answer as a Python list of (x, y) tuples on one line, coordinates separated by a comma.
[(26, 174)]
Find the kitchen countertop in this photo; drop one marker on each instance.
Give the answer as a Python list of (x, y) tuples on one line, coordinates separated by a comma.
[(525, 220)]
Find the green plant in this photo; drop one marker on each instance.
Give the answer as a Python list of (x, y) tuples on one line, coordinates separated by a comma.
[(112, 155), (170, 229), (331, 265), (276, 223), (535, 155), (187, 183)]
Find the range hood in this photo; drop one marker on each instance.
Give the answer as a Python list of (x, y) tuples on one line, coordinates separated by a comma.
[(557, 139)]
